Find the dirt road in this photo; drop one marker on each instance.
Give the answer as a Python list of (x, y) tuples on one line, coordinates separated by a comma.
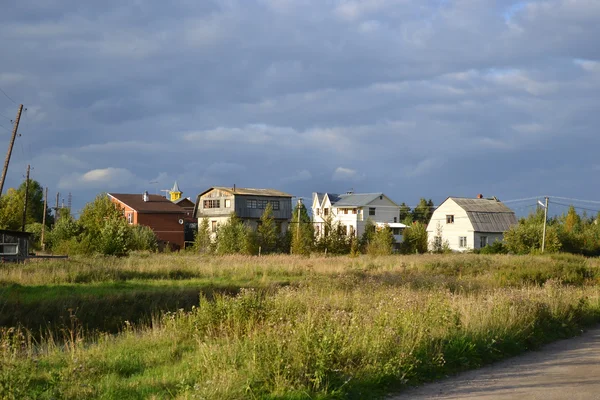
[(568, 369)]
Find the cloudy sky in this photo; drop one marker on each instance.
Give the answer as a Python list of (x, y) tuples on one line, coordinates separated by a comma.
[(426, 98)]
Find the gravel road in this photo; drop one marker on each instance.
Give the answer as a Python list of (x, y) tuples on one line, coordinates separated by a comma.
[(567, 369)]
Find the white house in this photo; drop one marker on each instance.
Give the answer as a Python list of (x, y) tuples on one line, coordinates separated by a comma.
[(466, 224), (351, 211)]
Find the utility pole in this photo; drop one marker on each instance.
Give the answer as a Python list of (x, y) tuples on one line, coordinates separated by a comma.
[(26, 199), (10, 147), (57, 213), (545, 219), (298, 227), (44, 218)]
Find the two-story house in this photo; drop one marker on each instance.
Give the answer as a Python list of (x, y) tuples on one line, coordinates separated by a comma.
[(248, 204), (466, 223), (351, 211)]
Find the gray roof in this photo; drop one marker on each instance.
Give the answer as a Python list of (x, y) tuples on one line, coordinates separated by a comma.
[(487, 215), (249, 191), (356, 199)]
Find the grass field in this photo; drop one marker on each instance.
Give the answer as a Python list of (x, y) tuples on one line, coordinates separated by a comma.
[(277, 327)]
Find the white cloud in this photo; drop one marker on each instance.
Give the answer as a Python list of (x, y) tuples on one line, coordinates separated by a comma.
[(100, 179), (346, 174)]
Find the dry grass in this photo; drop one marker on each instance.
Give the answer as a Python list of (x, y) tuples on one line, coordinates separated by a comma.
[(345, 328)]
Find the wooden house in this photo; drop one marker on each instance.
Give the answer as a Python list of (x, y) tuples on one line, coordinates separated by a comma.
[(156, 212), (466, 223), (217, 204), (14, 245)]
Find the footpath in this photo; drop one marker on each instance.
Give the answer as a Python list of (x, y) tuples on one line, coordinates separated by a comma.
[(567, 369)]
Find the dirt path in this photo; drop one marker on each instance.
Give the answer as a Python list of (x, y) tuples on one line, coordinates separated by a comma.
[(568, 369)]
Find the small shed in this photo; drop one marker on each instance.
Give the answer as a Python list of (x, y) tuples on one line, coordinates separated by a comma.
[(14, 245)]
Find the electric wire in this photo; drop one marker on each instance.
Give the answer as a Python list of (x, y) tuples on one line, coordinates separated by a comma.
[(576, 207), (7, 96)]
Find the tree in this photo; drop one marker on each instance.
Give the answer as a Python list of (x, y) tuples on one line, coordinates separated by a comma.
[(415, 239), (203, 242), (233, 237), (405, 212), (382, 243), (367, 235), (267, 233), (334, 239), (303, 236), (422, 212), (526, 236), (11, 210)]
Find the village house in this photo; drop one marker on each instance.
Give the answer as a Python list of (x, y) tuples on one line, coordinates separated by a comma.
[(352, 210), (158, 213), (248, 204), (466, 223), (14, 245)]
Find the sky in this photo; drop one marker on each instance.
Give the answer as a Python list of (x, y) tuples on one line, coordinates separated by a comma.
[(428, 98)]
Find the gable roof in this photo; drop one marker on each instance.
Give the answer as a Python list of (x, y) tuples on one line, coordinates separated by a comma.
[(356, 199), (487, 215), (184, 202), (155, 204), (249, 192)]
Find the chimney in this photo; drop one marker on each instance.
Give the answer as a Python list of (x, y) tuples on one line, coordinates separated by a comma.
[(234, 187), (145, 196), (480, 196)]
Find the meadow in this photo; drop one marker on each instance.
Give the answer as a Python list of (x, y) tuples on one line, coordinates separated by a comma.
[(277, 327)]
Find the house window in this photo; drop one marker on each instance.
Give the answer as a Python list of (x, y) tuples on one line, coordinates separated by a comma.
[(350, 231), (227, 203), (396, 231), (326, 211), (317, 211), (354, 211), (212, 203), (275, 205), (437, 241), (214, 226), (345, 211), (462, 241), (371, 210), (449, 219), (130, 218), (395, 219), (483, 241)]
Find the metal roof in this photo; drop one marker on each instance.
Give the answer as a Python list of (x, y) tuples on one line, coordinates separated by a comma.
[(487, 215), (250, 191), (356, 199), (155, 204), (175, 188)]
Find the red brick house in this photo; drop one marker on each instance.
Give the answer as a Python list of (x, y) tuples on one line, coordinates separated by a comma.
[(165, 218)]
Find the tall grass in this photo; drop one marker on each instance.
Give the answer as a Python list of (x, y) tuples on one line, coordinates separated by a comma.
[(347, 328)]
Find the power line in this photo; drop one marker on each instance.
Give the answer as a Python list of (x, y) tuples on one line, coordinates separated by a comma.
[(7, 96), (4, 116), (570, 205), (579, 200), (2, 126)]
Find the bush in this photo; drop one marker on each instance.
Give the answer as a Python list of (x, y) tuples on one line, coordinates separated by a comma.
[(142, 238)]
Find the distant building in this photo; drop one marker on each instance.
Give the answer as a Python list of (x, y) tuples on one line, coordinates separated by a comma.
[(248, 204), (14, 245), (190, 224), (467, 223), (352, 210), (156, 212)]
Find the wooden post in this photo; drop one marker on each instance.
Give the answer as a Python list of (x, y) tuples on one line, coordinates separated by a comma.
[(10, 147), (56, 214), (44, 219), (26, 199)]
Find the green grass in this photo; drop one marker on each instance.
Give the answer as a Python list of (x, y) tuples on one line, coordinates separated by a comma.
[(284, 327)]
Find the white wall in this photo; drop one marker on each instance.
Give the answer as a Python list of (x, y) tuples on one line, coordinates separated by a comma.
[(451, 232)]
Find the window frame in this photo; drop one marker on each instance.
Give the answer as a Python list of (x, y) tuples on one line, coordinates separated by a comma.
[(462, 242), (372, 211), (449, 218)]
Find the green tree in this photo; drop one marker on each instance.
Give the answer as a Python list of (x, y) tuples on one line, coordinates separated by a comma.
[(142, 238), (368, 234), (11, 210), (233, 237), (422, 212), (415, 239), (405, 212), (334, 239), (526, 236), (267, 232), (203, 241), (382, 243), (303, 235)]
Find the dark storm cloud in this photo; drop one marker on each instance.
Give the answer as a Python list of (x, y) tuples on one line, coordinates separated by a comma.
[(430, 98)]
